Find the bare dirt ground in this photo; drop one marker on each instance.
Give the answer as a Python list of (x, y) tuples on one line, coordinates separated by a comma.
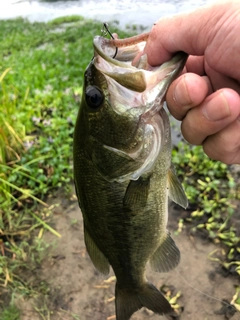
[(77, 291)]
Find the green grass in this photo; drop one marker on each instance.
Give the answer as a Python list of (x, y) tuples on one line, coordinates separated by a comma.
[(46, 74), (41, 75), (10, 313)]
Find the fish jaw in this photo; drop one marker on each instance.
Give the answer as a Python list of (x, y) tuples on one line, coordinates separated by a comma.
[(151, 82)]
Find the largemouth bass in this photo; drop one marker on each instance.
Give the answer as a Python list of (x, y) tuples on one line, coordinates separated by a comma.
[(123, 172)]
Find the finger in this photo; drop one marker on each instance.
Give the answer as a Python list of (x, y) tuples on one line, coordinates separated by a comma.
[(225, 145), (196, 65), (215, 113), (186, 92), (218, 80), (181, 33)]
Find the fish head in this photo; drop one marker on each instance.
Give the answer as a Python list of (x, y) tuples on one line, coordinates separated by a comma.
[(120, 108)]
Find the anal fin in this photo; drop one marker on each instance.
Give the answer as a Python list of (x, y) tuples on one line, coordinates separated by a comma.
[(98, 259), (166, 257)]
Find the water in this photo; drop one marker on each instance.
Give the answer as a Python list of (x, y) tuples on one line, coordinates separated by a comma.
[(140, 12)]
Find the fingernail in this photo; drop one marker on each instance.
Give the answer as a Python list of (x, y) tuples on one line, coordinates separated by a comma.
[(217, 111), (180, 95)]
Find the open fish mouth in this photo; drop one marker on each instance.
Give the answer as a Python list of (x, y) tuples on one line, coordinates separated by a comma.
[(148, 84), (137, 91), (119, 66)]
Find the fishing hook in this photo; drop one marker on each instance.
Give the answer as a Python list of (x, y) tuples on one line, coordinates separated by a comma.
[(107, 31)]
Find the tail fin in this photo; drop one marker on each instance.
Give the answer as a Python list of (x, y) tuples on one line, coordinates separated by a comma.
[(128, 302)]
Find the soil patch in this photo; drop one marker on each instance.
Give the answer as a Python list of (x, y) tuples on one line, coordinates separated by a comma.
[(78, 291)]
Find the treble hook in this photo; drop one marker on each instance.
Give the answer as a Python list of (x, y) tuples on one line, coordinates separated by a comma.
[(107, 31)]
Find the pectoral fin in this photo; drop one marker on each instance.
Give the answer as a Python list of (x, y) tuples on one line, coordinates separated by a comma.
[(166, 257), (113, 164), (176, 192), (98, 259), (137, 193)]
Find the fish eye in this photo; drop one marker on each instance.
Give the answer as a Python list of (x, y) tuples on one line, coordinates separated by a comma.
[(94, 97)]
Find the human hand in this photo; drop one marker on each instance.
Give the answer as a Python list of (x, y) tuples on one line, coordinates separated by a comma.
[(206, 97)]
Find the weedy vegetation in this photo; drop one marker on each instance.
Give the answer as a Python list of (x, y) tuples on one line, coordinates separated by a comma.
[(41, 73), (213, 193)]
